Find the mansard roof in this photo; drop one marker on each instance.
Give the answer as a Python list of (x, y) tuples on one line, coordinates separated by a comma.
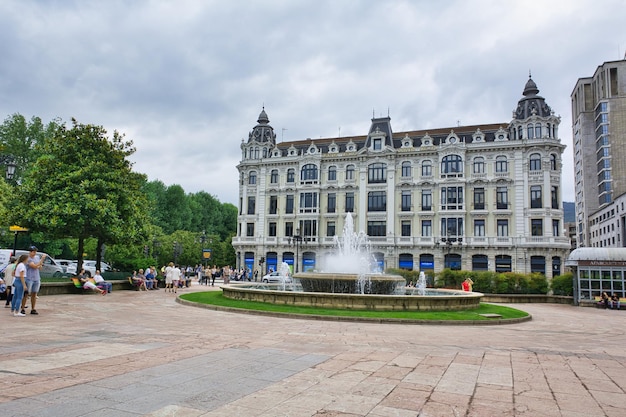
[(465, 134)]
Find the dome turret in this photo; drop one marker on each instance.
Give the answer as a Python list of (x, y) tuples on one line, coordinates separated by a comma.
[(263, 132), (531, 104)]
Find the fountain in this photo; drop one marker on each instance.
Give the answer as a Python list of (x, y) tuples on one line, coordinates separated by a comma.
[(350, 268), (350, 278)]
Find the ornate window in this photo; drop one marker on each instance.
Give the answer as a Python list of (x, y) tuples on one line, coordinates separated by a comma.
[(291, 173), (332, 202), (377, 201), (406, 228), (554, 197), (452, 165), (427, 169), (502, 198), (252, 178), (427, 228), (332, 173), (274, 176), (350, 172), (452, 228), (502, 164), (553, 162), (535, 162), (273, 204), (376, 228), (502, 227), (479, 227), (535, 197), (452, 198), (308, 173), (350, 202), (479, 165), (377, 173), (407, 171), (308, 202), (406, 200), (427, 200), (289, 204), (479, 198), (536, 227), (251, 204)]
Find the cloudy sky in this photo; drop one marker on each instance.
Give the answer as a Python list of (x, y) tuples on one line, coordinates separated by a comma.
[(187, 79)]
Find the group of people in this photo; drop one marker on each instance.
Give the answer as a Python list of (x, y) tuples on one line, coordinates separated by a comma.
[(23, 281), (97, 283), (611, 302)]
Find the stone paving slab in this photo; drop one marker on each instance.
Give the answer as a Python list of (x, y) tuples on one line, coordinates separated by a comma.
[(142, 354)]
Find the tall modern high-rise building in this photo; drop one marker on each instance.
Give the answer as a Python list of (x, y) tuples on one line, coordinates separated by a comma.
[(599, 133), (480, 197)]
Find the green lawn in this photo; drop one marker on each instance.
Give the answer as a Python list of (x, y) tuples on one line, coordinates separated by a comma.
[(217, 299)]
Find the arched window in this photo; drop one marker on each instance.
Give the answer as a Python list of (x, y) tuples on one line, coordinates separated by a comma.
[(427, 169), (549, 131), (535, 162), (519, 132), (538, 130), (252, 178), (291, 173), (406, 169), (377, 173), (553, 162), (274, 176), (479, 165), (451, 164), (501, 164), (350, 172), (332, 173), (308, 173), (531, 131)]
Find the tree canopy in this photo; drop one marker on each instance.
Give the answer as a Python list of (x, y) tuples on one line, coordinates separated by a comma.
[(82, 186), (77, 193)]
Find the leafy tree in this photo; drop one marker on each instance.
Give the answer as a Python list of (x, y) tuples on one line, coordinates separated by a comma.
[(6, 193), (83, 186), (19, 138)]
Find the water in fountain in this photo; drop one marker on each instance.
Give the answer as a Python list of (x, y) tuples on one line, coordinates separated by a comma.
[(420, 286), (352, 252), (352, 255), (283, 273)]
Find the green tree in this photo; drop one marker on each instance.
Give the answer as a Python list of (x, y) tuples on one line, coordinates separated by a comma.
[(19, 138), (83, 186)]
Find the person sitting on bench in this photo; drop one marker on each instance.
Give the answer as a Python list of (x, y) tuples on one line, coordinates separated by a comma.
[(88, 284)]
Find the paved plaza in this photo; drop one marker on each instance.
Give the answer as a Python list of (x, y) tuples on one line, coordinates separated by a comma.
[(143, 354)]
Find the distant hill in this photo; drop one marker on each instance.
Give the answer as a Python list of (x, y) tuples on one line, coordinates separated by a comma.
[(569, 212)]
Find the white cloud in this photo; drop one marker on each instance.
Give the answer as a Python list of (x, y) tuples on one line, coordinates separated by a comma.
[(186, 80)]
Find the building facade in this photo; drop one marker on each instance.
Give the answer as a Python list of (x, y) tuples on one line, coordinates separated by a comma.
[(599, 133), (481, 197)]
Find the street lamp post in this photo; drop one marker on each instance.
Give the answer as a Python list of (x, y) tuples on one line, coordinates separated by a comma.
[(9, 162), (296, 240)]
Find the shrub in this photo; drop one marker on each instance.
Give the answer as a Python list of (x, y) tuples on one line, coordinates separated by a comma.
[(563, 284), (450, 279)]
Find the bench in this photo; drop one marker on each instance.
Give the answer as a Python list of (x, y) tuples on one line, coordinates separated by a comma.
[(79, 285)]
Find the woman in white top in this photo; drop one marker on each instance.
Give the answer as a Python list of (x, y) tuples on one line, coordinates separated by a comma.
[(8, 280), (19, 283)]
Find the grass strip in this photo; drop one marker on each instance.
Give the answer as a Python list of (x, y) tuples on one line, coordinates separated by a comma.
[(217, 299)]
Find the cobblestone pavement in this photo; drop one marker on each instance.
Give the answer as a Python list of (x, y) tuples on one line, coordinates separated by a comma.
[(141, 353)]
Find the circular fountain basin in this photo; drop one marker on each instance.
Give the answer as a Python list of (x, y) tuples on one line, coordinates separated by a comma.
[(433, 300), (350, 283)]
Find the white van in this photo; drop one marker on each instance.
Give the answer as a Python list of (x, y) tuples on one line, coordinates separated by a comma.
[(49, 268)]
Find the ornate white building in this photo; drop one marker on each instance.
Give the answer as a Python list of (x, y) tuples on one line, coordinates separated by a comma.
[(482, 197)]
